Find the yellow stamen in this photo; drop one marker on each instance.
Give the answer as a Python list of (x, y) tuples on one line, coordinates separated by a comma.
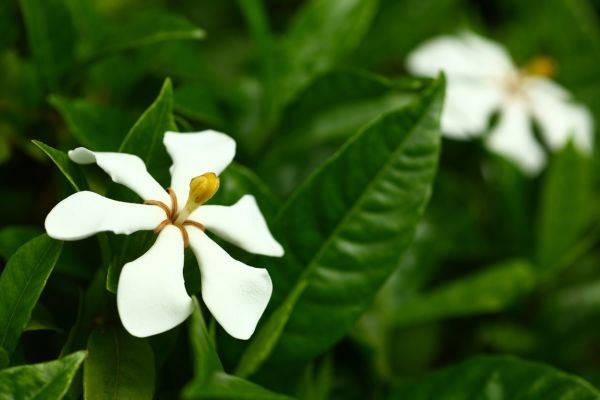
[(202, 188), (541, 66)]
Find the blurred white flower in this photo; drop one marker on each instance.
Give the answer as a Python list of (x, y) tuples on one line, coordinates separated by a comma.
[(151, 295), (482, 79)]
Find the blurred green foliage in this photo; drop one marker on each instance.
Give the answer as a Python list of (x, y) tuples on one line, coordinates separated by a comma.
[(328, 124)]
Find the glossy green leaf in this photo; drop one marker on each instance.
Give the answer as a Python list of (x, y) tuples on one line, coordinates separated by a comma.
[(21, 284), (51, 37), (499, 378), (565, 206), (98, 127), (118, 366), (489, 290), (13, 237), (49, 380), (70, 170), (347, 227)]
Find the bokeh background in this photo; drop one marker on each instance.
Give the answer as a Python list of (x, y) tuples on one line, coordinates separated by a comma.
[(502, 262)]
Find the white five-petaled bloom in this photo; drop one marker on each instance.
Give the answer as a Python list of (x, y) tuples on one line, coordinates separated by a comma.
[(482, 79), (151, 295)]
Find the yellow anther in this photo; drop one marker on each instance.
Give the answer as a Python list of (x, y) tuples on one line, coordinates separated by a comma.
[(202, 188), (541, 66)]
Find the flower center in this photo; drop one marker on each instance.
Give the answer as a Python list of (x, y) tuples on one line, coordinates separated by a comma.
[(540, 66), (202, 189)]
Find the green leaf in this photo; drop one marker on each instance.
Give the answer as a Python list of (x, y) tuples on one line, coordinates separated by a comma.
[(144, 140), (489, 290), (565, 207), (70, 170), (51, 37), (21, 284), (322, 33), (118, 366), (96, 126), (347, 227), (49, 380), (499, 377), (13, 237), (149, 28)]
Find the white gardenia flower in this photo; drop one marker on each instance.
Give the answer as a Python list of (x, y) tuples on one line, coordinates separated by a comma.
[(482, 79), (151, 295)]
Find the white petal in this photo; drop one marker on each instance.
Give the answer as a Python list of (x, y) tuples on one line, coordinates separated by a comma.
[(84, 214), (242, 224), (559, 118), (468, 107), (151, 295), (514, 139), (194, 154), (466, 56), (126, 169), (235, 293)]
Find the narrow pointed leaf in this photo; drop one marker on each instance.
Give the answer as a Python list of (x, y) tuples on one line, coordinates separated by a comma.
[(499, 377), (21, 284), (49, 380), (69, 169), (118, 366)]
